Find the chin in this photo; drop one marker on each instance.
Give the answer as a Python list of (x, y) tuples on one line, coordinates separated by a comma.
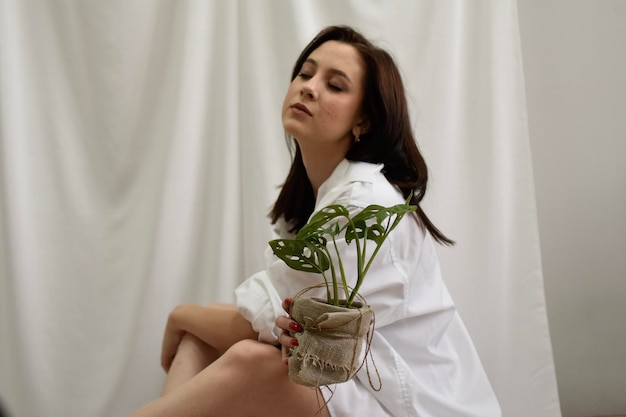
[(291, 129)]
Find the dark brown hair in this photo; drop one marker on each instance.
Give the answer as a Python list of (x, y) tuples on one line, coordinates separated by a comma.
[(389, 140)]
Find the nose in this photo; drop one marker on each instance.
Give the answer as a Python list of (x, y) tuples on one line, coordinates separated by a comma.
[(308, 89)]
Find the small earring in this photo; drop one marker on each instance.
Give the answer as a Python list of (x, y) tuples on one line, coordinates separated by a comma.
[(357, 139)]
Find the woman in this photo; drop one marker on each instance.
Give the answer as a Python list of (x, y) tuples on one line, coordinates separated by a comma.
[(346, 112)]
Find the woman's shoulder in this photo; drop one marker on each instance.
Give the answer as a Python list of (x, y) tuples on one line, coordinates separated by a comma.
[(358, 184)]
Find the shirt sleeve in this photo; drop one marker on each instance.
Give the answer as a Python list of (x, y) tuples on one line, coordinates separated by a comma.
[(259, 302), (259, 298)]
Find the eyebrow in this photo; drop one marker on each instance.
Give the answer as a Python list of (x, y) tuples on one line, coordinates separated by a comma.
[(331, 70)]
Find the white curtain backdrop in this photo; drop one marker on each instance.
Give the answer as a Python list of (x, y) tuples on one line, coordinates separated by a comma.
[(141, 148)]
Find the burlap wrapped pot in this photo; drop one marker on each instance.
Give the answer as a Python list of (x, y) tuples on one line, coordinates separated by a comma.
[(330, 346)]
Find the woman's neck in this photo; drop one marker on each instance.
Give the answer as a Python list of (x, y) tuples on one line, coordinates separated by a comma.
[(319, 168)]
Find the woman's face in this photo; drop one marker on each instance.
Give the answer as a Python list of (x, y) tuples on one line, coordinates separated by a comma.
[(323, 104)]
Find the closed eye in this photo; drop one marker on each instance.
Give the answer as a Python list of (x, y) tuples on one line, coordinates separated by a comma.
[(305, 76), (335, 87)]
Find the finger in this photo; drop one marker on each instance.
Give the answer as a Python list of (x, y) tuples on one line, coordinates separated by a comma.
[(286, 304), (287, 340), (169, 349), (283, 322), (167, 356), (288, 325), (287, 344), (166, 363), (284, 354), (166, 359)]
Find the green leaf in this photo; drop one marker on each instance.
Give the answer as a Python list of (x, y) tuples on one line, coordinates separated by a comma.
[(401, 208), (322, 217), (317, 240), (309, 250), (376, 233), (355, 230), (300, 255), (370, 212)]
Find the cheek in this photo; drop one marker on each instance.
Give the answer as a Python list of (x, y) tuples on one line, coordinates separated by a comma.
[(330, 111), (286, 100), (340, 112)]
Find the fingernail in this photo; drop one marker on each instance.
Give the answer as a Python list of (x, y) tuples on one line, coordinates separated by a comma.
[(295, 327), (287, 362), (287, 301), (294, 342)]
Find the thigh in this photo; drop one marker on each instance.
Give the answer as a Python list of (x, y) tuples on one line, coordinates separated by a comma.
[(262, 378), (248, 380)]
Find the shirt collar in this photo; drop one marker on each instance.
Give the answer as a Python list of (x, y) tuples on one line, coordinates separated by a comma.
[(346, 172)]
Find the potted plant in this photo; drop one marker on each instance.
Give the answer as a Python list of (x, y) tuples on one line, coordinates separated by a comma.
[(336, 328)]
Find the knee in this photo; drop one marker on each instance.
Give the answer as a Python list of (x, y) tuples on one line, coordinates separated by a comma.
[(250, 355)]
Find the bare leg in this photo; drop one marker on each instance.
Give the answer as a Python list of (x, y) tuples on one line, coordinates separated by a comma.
[(249, 380), (193, 356)]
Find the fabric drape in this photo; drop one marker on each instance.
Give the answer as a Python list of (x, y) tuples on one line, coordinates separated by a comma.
[(141, 148)]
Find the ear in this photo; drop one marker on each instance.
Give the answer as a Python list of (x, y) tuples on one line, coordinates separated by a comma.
[(362, 127)]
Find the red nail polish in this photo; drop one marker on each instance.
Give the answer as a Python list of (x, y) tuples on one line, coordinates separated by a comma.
[(287, 362), (295, 327), (294, 342)]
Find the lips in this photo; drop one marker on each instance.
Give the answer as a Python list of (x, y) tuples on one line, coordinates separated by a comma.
[(301, 107)]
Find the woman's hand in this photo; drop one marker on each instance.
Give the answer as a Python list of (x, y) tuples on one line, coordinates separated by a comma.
[(171, 340), (218, 325), (290, 327)]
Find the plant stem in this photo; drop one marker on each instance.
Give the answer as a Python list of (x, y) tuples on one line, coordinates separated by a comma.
[(344, 281), (335, 298), (388, 230), (359, 265)]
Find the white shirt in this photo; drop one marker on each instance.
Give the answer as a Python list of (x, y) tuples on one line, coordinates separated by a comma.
[(425, 358)]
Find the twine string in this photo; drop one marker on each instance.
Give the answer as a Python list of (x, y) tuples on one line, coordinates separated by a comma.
[(312, 326)]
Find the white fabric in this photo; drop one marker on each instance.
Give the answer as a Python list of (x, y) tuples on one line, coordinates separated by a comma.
[(427, 363), (141, 147)]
